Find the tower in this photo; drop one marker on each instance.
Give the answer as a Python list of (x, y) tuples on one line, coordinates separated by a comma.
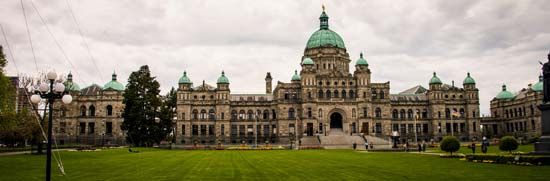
[(268, 86)]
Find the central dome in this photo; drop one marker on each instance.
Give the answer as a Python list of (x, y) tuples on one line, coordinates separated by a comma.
[(324, 37)]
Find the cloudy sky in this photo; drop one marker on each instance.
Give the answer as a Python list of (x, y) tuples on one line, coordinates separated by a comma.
[(498, 41)]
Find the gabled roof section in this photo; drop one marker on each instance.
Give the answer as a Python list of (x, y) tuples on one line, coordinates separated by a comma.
[(414, 90), (91, 90), (204, 87), (408, 97)]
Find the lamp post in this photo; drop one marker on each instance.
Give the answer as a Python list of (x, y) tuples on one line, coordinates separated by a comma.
[(51, 93)]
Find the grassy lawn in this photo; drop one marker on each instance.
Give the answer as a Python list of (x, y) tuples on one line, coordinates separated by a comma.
[(491, 150), (155, 164)]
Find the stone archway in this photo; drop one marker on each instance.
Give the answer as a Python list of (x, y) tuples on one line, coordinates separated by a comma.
[(336, 121)]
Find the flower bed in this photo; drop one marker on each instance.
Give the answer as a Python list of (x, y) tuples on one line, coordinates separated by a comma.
[(510, 159)]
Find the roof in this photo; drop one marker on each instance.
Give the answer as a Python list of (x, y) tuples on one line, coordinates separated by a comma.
[(307, 61), (113, 85), (408, 97), (414, 90), (296, 77), (539, 86), (204, 86), (435, 79), (184, 79), (468, 79), (361, 60), (324, 36), (223, 79), (504, 94), (91, 90)]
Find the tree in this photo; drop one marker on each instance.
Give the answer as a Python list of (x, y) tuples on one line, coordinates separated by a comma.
[(450, 144), (3, 60), (167, 113), (141, 115), (508, 143)]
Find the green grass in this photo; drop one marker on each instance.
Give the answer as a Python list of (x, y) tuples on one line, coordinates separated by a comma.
[(156, 164), (491, 150)]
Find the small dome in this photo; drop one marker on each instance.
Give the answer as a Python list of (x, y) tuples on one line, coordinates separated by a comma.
[(538, 87), (504, 94), (223, 79), (184, 79), (469, 80), (114, 84), (361, 60), (307, 61), (324, 36), (296, 77), (435, 80), (70, 85)]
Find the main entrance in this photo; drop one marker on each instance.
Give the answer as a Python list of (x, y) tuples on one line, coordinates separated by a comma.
[(336, 121)]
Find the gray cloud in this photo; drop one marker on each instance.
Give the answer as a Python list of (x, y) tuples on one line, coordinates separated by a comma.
[(404, 42)]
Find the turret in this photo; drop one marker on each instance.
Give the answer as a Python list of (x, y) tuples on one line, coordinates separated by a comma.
[(296, 77), (469, 83), (268, 86), (223, 82), (184, 82), (435, 82)]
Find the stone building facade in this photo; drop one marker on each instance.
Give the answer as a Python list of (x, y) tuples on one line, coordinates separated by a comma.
[(515, 114), (94, 117), (324, 98)]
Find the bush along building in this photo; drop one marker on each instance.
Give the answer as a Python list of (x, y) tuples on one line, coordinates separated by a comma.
[(515, 114)]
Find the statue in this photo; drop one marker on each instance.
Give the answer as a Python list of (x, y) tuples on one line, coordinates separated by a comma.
[(546, 81)]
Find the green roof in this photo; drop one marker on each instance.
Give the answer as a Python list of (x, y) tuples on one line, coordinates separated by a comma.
[(538, 87), (307, 61), (469, 80), (223, 79), (324, 36), (435, 80), (296, 77), (361, 60), (113, 84), (184, 79), (70, 85), (504, 94)]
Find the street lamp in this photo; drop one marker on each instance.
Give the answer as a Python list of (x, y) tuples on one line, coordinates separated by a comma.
[(51, 93)]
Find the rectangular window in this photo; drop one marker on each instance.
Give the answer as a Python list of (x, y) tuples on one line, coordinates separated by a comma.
[(462, 127), (266, 130), (448, 127), (109, 128), (395, 127), (223, 116), (378, 127), (439, 127), (211, 130), (91, 128), (183, 129), (62, 126), (234, 130), (82, 128), (291, 129), (203, 129), (195, 130), (474, 126), (222, 129), (242, 130), (250, 130), (424, 128)]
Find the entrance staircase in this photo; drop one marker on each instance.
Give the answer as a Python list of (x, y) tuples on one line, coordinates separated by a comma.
[(337, 139)]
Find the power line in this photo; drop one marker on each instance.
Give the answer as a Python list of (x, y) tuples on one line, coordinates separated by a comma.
[(29, 34), (9, 48), (83, 39)]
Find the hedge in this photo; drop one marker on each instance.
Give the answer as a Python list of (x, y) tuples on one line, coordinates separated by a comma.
[(510, 159)]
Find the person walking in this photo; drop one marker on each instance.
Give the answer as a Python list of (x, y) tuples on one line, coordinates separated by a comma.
[(366, 145), (473, 148), (354, 145), (419, 147)]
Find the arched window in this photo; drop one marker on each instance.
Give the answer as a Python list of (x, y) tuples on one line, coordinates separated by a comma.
[(320, 94), (320, 113), (424, 113), (410, 113), (365, 111), (203, 114), (234, 114), (266, 114), (344, 94), (82, 110), (274, 114), (351, 94), (195, 114), (291, 113), (353, 113), (402, 114), (374, 95), (309, 114), (109, 110), (381, 94), (336, 95), (328, 94), (211, 114), (242, 114), (447, 113), (395, 114), (250, 114), (92, 110), (461, 112), (364, 94), (378, 112)]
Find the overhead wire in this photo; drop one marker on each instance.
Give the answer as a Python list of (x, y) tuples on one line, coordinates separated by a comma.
[(29, 34)]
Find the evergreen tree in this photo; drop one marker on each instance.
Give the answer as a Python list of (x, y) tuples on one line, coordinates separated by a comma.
[(142, 108), (7, 104), (168, 112)]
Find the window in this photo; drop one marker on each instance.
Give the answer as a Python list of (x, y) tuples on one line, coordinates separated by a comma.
[(266, 114), (320, 113), (344, 94), (320, 94), (109, 110), (425, 113), (381, 94), (365, 112), (242, 114), (447, 113), (82, 111), (291, 113), (195, 114), (533, 126), (91, 128), (374, 94), (395, 114), (402, 114), (250, 114), (195, 130), (474, 127), (234, 114), (92, 110), (410, 114), (378, 127), (353, 114), (327, 94), (351, 94), (309, 112), (461, 112), (203, 114), (109, 128), (183, 129), (82, 128), (211, 130), (378, 112), (274, 114), (62, 126), (222, 130), (203, 129), (211, 114), (223, 115), (336, 93)]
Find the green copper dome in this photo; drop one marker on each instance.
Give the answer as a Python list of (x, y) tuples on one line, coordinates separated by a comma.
[(307, 61), (70, 85), (114, 84), (184, 79), (435, 80), (538, 86), (324, 36), (504, 94), (223, 79), (361, 60), (469, 80), (296, 77)]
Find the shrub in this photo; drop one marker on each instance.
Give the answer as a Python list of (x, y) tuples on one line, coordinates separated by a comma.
[(450, 144), (508, 143), (534, 139), (510, 159)]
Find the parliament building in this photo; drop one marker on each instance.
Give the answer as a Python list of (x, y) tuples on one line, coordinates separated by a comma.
[(324, 103)]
